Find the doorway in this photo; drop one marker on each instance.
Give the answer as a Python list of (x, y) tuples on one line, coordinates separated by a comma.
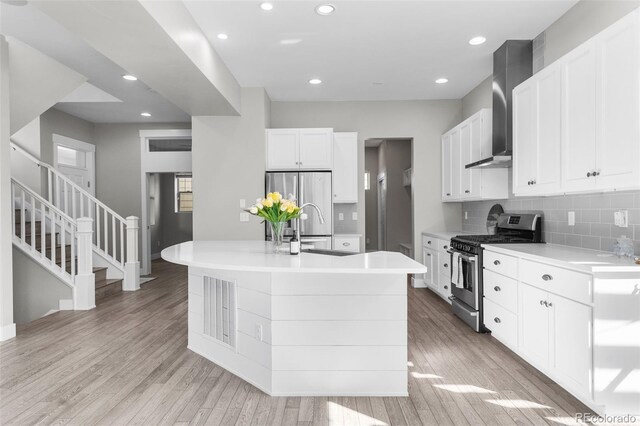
[(75, 160), (389, 198)]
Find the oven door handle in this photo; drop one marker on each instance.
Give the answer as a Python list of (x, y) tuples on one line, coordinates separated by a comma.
[(465, 257)]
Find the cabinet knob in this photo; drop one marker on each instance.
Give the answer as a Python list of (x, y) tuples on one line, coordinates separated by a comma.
[(446, 247), (497, 320), (466, 191), (533, 182), (598, 173), (589, 174), (446, 287), (547, 277), (496, 262), (429, 242), (346, 244), (549, 304), (448, 194), (496, 288), (542, 302), (446, 265), (429, 254)]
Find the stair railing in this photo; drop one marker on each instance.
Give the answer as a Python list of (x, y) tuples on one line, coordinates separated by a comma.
[(44, 232), (111, 237)]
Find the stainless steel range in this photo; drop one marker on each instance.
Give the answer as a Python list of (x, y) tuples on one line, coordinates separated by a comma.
[(466, 262)]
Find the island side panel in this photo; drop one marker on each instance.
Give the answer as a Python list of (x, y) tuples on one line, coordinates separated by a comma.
[(250, 357), (339, 334)]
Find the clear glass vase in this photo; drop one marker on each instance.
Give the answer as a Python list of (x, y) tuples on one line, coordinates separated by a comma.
[(277, 233)]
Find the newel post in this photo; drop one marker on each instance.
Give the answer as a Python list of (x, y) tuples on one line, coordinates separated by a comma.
[(132, 266), (85, 280)]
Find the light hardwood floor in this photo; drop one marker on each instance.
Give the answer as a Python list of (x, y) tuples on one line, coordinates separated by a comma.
[(126, 362)]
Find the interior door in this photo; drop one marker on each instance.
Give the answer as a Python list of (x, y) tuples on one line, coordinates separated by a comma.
[(579, 111), (534, 324), (76, 161)]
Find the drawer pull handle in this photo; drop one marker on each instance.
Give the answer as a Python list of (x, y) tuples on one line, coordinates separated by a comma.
[(466, 191), (346, 244), (496, 262), (429, 254), (549, 304), (446, 287), (542, 302), (496, 288), (446, 265), (429, 242), (497, 320), (446, 247), (547, 277)]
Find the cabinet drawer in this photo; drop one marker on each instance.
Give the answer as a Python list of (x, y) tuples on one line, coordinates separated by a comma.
[(445, 265), (444, 286), (443, 245), (502, 323), (351, 244), (501, 290), (429, 242), (570, 284), (500, 263)]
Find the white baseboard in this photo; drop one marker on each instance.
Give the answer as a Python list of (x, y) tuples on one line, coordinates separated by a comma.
[(7, 332), (66, 305)]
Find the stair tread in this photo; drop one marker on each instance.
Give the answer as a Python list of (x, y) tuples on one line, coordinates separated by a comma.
[(107, 282), (98, 268)]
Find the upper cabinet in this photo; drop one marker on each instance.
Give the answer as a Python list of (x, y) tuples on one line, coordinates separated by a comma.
[(299, 149), (466, 143), (577, 122), (345, 167)]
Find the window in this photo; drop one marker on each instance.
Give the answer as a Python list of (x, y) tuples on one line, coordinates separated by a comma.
[(184, 194)]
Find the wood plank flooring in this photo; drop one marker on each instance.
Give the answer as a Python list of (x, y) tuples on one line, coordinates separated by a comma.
[(126, 362)]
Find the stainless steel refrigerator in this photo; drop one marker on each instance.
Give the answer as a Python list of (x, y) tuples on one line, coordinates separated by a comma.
[(306, 187)]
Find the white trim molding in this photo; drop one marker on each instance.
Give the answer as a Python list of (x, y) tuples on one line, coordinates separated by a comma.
[(7, 332)]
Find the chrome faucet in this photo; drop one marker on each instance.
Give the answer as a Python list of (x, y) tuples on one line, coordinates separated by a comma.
[(320, 215)]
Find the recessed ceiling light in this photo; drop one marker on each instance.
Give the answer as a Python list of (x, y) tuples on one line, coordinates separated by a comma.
[(315, 81), (145, 114), (266, 6), (442, 80), (223, 36), (325, 9), (130, 77), (477, 40)]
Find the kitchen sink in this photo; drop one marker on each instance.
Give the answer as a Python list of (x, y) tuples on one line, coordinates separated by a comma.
[(328, 252)]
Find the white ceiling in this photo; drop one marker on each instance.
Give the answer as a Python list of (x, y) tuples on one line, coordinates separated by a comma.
[(33, 27), (405, 45)]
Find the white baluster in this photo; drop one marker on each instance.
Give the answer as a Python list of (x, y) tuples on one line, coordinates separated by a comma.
[(33, 224), (23, 216), (97, 226), (43, 231), (52, 237), (49, 186), (122, 260), (132, 267), (13, 208), (113, 236), (85, 281)]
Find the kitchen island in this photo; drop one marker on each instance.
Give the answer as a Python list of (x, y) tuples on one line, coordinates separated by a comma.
[(301, 325)]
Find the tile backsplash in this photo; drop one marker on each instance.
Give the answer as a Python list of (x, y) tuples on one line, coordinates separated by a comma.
[(594, 227)]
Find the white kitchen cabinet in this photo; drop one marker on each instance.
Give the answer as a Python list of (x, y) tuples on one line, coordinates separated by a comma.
[(299, 149), (437, 261), (345, 167), (430, 259), (534, 324), (349, 243), (467, 143), (537, 134)]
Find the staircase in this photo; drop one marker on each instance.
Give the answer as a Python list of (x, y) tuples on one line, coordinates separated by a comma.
[(76, 237)]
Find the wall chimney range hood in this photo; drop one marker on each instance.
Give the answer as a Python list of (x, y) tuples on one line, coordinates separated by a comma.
[(512, 64)]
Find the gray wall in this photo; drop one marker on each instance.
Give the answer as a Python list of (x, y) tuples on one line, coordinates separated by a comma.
[(394, 157), (424, 121), (347, 225), (478, 98), (175, 228), (118, 164), (371, 199), (61, 123), (229, 158), (594, 227), (36, 291), (580, 23)]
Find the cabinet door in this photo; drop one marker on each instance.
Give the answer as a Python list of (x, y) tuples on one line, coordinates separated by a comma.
[(345, 167), (282, 149), (534, 324), (618, 146), (524, 137), (579, 113), (446, 167), (316, 149), (470, 151), (548, 130), (429, 259), (456, 171), (571, 336)]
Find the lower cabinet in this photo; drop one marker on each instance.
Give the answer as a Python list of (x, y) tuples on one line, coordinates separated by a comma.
[(429, 259), (350, 243), (555, 335), (436, 259)]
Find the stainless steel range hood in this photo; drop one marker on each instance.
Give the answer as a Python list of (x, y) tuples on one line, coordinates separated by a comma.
[(512, 64)]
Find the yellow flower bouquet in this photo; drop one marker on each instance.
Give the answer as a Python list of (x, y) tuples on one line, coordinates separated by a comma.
[(276, 211)]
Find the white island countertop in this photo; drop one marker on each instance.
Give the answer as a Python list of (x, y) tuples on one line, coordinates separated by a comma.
[(256, 256), (578, 259)]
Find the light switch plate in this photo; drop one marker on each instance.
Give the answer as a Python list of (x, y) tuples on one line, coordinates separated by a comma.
[(340, 216), (621, 218), (243, 203), (354, 216), (244, 217), (571, 218), (466, 215)]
